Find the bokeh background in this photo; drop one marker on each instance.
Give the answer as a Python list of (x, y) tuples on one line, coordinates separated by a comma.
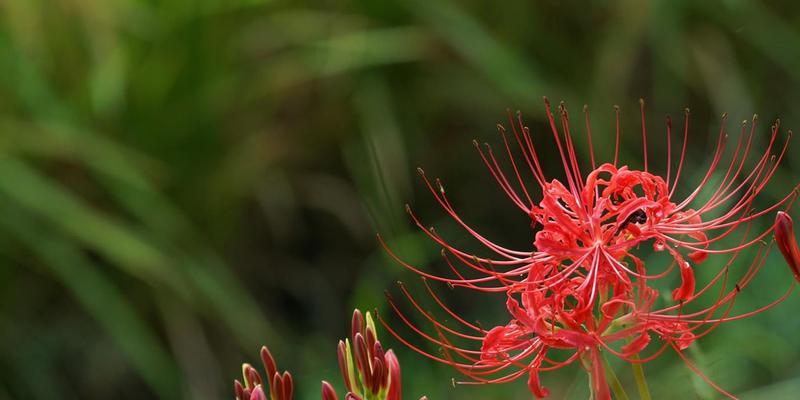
[(183, 181)]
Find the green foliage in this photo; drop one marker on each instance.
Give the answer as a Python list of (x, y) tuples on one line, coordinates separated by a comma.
[(182, 181)]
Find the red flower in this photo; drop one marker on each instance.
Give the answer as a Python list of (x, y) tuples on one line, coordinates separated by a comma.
[(581, 289)]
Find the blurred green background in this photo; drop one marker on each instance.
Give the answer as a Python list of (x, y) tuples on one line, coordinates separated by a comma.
[(183, 181)]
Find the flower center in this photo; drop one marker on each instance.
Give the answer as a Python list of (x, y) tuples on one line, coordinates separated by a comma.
[(613, 208)]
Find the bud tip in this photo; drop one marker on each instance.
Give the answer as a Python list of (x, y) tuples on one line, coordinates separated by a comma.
[(787, 244)]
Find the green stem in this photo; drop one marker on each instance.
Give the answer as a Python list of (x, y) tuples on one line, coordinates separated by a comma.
[(616, 385), (641, 381)]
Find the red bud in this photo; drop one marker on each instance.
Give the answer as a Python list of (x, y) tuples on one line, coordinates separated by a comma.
[(361, 356), (784, 237), (258, 394), (238, 390), (252, 377), (393, 365), (357, 325), (341, 352), (269, 362), (328, 393), (377, 375), (277, 387), (288, 386)]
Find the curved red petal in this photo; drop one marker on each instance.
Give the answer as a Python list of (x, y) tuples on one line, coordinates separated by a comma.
[(686, 290)]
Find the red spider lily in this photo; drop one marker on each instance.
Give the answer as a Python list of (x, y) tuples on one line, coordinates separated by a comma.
[(582, 289)]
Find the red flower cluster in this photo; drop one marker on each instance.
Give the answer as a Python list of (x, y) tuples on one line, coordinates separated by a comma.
[(581, 290)]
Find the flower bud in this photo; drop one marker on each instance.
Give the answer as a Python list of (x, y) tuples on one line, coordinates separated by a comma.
[(269, 362), (258, 394), (393, 364), (784, 237), (357, 323), (328, 393), (281, 386), (239, 390)]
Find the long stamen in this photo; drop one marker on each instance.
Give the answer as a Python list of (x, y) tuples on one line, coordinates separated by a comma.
[(589, 135), (644, 134), (616, 135), (683, 151)]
